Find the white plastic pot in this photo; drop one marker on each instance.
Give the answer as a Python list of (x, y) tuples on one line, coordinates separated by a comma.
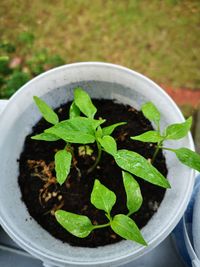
[(101, 80)]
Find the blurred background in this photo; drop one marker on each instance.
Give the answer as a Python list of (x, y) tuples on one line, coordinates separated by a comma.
[(160, 39)]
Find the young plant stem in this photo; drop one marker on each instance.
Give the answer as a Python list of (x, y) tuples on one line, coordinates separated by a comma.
[(129, 214), (169, 149), (101, 225), (97, 159), (156, 152), (69, 148)]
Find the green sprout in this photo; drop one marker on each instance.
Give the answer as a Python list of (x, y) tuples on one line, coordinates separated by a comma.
[(134, 163), (104, 199), (76, 129), (172, 132), (82, 128), (86, 130)]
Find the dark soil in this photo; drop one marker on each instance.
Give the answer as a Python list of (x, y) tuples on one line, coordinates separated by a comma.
[(43, 196)]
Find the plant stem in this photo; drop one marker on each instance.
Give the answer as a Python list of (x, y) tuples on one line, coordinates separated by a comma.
[(129, 214), (156, 152), (69, 148), (97, 159), (101, 225), (166, 148)]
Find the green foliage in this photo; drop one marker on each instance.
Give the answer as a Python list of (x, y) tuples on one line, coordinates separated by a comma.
[(26, 38), (77, 130), (7, 47), (84, 103), (78, 225), (45, 137), (109, 129), (188, 157), (47, 112), (150, 136), (133, 193), (74, 111), (4, 65), (178, 130), (54, 60), (172, 132), (109, 144), (102, 198), (18, 66), (16, 80), (73, 136), (63, 160), (42, 60), (98, 133), (85, 130), (139, 166), (127, 228), (151, 113)]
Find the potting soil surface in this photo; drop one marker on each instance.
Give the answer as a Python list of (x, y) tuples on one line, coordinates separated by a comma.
[(43, 196)]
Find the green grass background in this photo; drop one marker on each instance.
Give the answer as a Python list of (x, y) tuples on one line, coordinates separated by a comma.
[(160, 39)]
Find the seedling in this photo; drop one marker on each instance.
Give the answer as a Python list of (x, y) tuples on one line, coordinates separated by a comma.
[(86, 130), (104, 199), (76, 129), (171, 132), (134, 163)]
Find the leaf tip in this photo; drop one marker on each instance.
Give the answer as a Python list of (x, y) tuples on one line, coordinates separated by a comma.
[(144, 243), (167, 185), (133, 137)]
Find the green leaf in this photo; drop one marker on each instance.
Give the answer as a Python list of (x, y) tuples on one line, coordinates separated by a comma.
[(77, 130), (84, 103), (73, 136), (47, 112), (45, 137), (150, 136), (178, 130), (102, 198), (96, 123), (109, 129), (188, 157), (151, 113), (98, 133), (127, 228), (139, 166), (109, 144), (62, 165), (78, 225), (74, 111), (133, 193)]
